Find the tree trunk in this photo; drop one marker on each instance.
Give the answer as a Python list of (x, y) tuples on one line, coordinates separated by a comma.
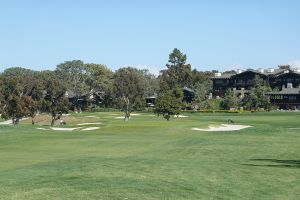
[(127, 112), (33, 114), (52, 121)]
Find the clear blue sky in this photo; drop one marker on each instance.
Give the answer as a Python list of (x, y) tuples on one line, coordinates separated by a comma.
[(40, 34)]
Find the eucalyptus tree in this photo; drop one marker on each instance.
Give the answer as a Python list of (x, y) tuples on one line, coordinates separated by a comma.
[(99, 79), (12, 104), (129, 89), (54, 101), (21, 93), (73, 73)]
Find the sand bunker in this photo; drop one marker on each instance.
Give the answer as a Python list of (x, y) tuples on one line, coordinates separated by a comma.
[(9, 122), (181, 116), (90, 128), (93, 123), (223, 127), (69, 129), (64, 129)]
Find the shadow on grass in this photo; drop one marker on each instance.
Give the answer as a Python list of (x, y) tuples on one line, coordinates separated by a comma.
[(275, 163)]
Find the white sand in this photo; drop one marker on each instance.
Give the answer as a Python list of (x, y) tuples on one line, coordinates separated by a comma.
[(64, 129), (181, 116), (293, 128), (94, 123), (90, 128), (9, 122), (223, 127), (69, 129)]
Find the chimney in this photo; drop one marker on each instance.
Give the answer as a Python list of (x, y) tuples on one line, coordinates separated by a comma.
[(283, 87), (289, 85)]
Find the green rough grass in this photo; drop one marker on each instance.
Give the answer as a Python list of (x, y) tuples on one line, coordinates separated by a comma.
[(149, 158)]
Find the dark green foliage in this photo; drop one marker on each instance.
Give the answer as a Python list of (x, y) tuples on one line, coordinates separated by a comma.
[(169, 103), (11, 91), (20, 93), (257, 97), (230, 101), (178, 73), (199, 77), (73, 73), (202, 90), (55, 101), (99, 79), (129, 89), (151, 83)]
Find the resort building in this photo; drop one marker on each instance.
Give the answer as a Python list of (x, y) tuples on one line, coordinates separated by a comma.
[(285, 83)]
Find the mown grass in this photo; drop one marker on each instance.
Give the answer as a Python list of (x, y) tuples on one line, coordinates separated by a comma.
[(150, 158)]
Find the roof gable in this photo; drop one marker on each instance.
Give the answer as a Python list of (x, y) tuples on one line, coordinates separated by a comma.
[(250, 73)]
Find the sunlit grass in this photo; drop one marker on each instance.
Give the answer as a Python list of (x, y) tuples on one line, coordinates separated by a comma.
[(150, 158)]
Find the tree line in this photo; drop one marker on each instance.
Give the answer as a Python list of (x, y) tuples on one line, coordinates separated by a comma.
[(25, 92)]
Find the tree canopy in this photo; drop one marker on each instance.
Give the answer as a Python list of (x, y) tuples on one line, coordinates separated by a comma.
[(178, 73)]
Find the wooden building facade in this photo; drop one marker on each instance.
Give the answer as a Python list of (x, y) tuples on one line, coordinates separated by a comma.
[(285, 82)]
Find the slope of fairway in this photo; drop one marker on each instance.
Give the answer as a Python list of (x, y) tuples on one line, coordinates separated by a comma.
[(150, 158)]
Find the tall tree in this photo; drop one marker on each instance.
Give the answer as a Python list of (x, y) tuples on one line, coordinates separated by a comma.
[(22, 93), (178, 73), (151, 83), (129, 89), (100, 80), (74, 74), (12, 91), (55, 101)]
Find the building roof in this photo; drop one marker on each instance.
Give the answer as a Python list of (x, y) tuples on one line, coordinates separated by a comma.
[(274, 72), (223, 76)]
